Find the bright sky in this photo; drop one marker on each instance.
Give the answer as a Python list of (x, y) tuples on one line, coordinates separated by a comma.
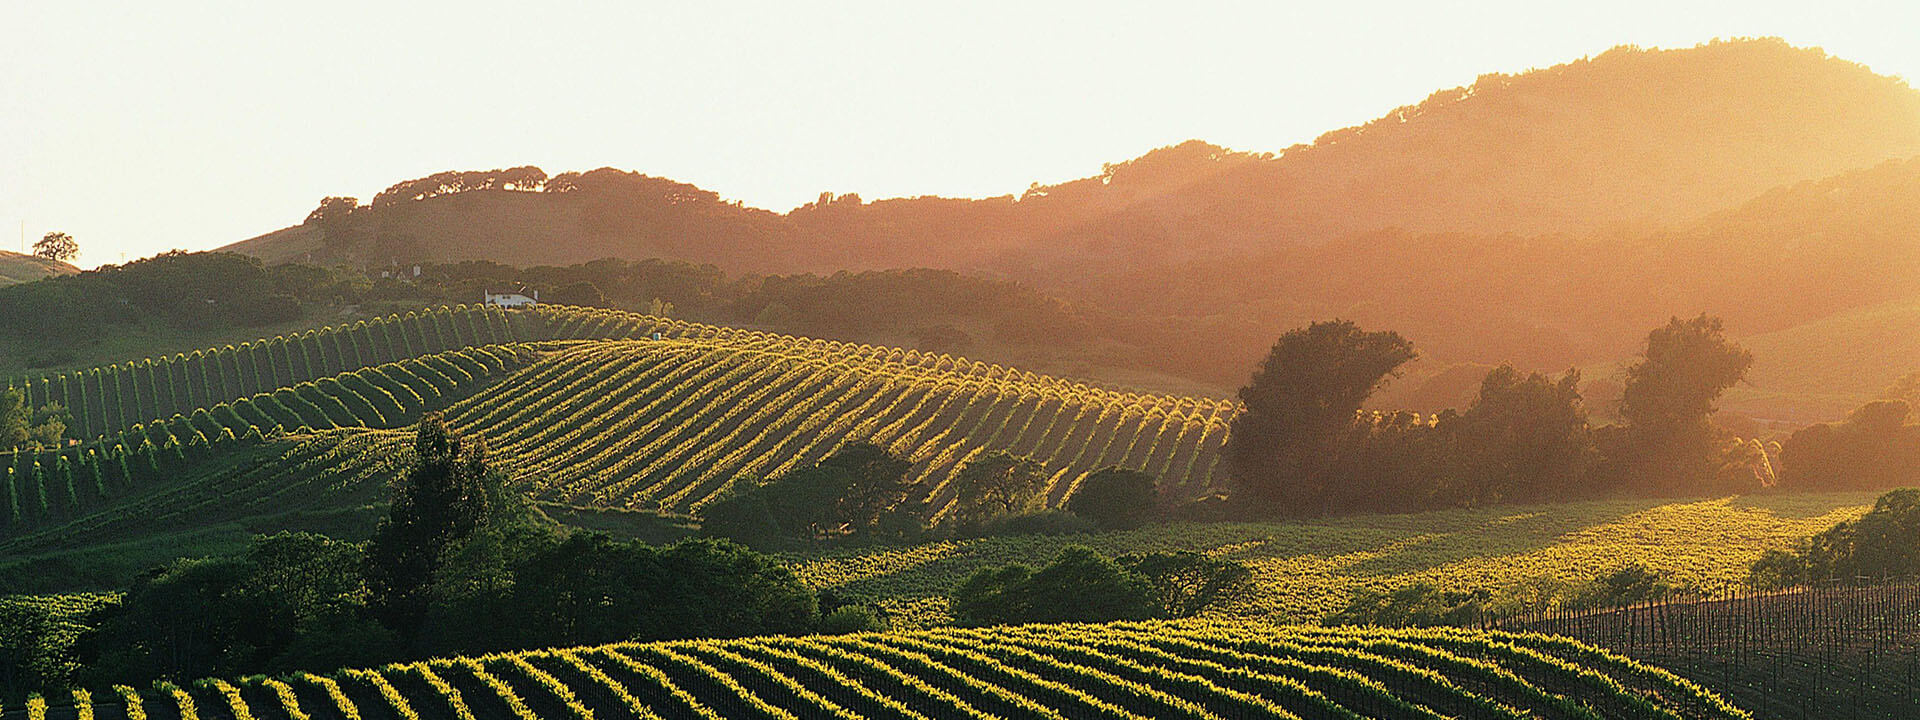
[(140, 126)]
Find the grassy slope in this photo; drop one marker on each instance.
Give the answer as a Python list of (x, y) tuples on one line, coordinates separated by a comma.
[(1307, 569), (16, 268), (131, 342)]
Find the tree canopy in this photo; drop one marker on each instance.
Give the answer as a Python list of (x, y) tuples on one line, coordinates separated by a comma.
[(1302, 399), (56, 246)]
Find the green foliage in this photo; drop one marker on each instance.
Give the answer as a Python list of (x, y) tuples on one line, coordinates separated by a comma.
[(859, 490), (441, 501), (37, 635), (24, 426), (1078, 585), (1524, 439), (1669, 445), (1630, 584), (584, 588), (1117, 498), (1185, 583), (1884, 543), (1874, 449), (1299, 404), (292, 601), (852, 619), (996, 484), (1414, 605), (1051, 521)]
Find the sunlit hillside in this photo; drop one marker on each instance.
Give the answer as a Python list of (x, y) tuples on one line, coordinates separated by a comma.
[(16, 268), (1630, 138)]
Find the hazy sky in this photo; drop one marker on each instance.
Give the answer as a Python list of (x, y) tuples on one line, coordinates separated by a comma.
[(141, 126)]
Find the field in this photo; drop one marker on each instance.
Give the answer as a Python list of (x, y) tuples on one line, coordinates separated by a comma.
[(668, 424), (631, 424), (588, 408), (1184, 670), (1306, 569)]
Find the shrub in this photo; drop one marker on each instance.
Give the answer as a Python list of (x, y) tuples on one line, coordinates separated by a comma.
[(1117, 498)]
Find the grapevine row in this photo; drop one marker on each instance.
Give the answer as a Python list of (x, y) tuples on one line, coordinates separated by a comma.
[(1199, 669)]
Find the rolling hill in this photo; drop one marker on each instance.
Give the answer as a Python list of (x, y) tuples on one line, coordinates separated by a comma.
[(598, 419), (1153, 670), (1600, 177), (616, 410), (1640, 138), (16, 268)]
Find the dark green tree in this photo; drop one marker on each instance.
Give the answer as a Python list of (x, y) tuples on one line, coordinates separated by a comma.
[(1874, 449), (1283, 450), (1884, 543), (995, 484), (858, 490), (437, 504), (22, 426), (1117, 498), (1670, 445), (1525, 438), (1080, 585), (1185, 583), (578, 293)]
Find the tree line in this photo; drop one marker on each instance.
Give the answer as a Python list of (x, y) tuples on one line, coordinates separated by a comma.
[(1302, 447), (461, 563)]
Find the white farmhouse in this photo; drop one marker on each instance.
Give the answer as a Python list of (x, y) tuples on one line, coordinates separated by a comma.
[(513, 299)]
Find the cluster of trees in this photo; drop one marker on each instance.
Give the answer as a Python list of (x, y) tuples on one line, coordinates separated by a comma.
[(461, 563), (1423, 604), (1883, 544), (1082, 585), (934, 307), (859, 491), (23, 426), (180, 289), (862, 492), (1875, 448), (1303, 447)]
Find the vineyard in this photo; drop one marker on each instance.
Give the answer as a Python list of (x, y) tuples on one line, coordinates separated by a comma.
[(42, 487), (1307, 569), (587, 407), (1152, 670), (669, 424), (1835, 651), (112, 398)]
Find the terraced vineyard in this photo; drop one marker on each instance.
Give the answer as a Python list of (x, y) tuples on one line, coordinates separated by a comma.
[(668, 424), (623, 410), (42, 487), (108, 399), (1153, 670), (1304, 570)]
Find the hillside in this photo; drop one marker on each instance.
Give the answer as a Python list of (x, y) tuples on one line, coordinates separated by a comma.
[(16, 268), (607, 416), (1305, 570), (1621, 139), (1598, 177), (599, 419), (1123, 671)]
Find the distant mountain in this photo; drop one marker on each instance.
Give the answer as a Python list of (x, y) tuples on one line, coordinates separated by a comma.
[(1546, 219), (1631, 138), (16, 268)]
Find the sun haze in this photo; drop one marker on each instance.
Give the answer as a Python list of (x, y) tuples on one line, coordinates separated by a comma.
[(139, 128)]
